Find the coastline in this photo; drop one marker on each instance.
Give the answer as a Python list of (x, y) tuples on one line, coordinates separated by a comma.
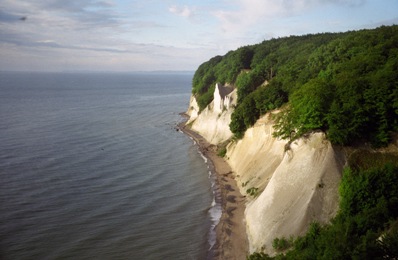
[(231, 239)]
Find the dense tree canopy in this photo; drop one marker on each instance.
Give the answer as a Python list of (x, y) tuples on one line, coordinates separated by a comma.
[(343, 83)]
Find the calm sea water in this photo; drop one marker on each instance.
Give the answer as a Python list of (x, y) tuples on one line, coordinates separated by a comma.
[(91, 167)]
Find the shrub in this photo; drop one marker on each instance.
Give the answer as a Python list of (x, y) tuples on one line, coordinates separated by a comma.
[(252, 191), (281, 244), (365, 226), (259, 256), (222, 152)]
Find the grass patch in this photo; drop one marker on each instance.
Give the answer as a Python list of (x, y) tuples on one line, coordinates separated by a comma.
[(282, 244), (222, 148), (253, 191), (222, 152)]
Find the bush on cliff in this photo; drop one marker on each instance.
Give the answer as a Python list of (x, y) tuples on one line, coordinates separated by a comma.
[(366, 226), (258, 102)]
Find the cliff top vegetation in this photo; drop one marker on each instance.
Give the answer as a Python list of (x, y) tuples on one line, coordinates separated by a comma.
[(345, 84)]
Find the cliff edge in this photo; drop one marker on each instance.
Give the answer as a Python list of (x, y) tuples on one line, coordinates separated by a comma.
[(287, 185), (213, 122)]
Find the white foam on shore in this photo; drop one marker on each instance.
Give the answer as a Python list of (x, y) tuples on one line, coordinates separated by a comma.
[(213, 203), (204, 157), (193, 140), (215, 210), (215, 215)]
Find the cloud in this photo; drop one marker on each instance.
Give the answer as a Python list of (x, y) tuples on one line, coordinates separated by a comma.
[(87, 13), (352, 3), (27, 41), (248, 14), (63, 21), (244, 22), (74, 6), (132, 57), (82, 13), (184, 11), (54, 44), (151, 33), (10, 17)]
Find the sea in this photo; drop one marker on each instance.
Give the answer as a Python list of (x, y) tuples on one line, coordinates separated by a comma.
[(93, 167)]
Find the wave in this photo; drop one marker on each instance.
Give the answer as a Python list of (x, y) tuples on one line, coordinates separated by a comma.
[(215, 210)]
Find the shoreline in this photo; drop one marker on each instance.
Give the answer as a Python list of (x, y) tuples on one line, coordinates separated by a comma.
[(231, 239)]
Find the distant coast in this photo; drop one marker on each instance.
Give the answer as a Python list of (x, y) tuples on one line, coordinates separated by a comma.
[(231, 238)]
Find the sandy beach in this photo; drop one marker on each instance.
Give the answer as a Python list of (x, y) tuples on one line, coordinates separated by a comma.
[(231, 241)]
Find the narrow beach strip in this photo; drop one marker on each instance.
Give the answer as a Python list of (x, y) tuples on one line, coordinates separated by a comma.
[(231, 239)]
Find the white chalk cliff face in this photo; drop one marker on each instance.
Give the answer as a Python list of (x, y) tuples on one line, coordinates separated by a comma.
[(292, 186), (213, 122), (193, 110), (295, 187)]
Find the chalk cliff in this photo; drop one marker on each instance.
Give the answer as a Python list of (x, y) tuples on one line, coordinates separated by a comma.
[(293, 185), (193, 110), (287, 186), (213, 122)]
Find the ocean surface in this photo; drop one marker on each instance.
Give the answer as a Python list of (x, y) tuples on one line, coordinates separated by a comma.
[(91, 167)]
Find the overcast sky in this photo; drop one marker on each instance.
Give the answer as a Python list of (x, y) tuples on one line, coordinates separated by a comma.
[(145, 35)]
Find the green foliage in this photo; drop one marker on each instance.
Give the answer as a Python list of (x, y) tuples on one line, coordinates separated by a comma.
[(244, 116), (205, 98), (284, 126), (343, 83), (388, 242), (308, 107), (247, 82), (237, 124), (366, 226), (363, 159), (222, 152), (259, 102), (259, 256), (269, 97), (365, 191), (252, 191), (204, 76), (220, 69), (281, 244)]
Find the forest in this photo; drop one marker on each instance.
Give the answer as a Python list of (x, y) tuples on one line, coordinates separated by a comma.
[(345, 84)]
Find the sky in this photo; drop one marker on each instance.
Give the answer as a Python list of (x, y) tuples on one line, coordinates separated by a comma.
[(150, 35)]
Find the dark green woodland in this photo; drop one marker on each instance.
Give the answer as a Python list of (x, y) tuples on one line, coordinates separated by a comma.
[(346, 85)]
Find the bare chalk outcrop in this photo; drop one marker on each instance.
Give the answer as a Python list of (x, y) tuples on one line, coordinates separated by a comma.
[(213, 122), (287, 185), (293, 185)]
